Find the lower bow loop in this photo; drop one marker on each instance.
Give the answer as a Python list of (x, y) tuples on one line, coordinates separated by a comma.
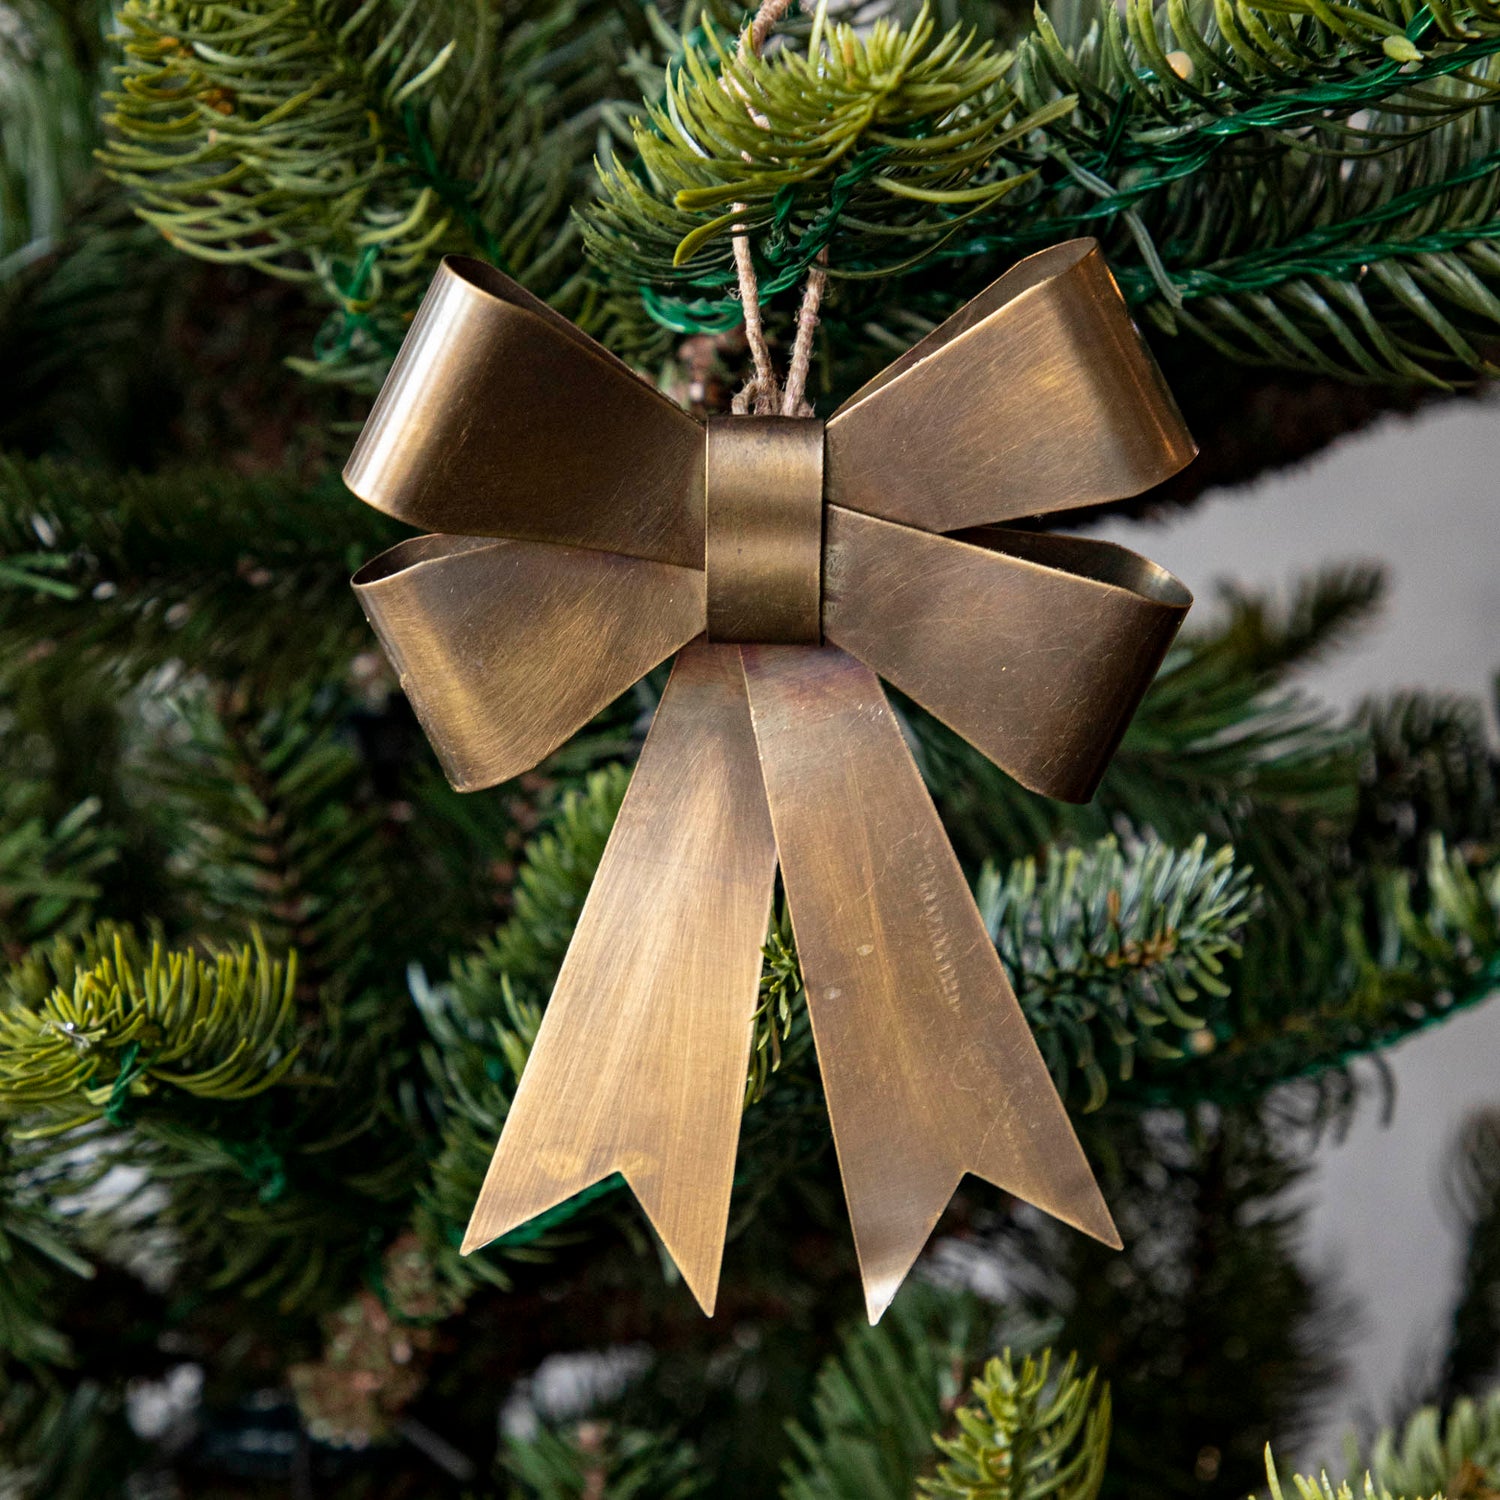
[(640, 1063), (1037, 649), (506, 648), (929, 1066)]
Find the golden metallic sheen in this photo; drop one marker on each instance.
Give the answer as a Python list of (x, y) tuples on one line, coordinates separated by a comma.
[(639, 1066), (763, 553), (957, 1080), (591, 529)]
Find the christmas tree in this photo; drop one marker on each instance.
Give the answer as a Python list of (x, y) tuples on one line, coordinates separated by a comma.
[(269, 982)]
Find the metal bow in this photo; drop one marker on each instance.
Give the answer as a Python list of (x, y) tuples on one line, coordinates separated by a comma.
[(583, 538)]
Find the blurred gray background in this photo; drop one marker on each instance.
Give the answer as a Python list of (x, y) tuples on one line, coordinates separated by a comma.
[(1422, 496)]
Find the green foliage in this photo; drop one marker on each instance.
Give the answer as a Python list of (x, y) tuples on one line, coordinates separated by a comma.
[(1457, 1455), (1323, 1488), (550, 887), (273, 824), (1212, 1335), (1111, 947), (51, 62), (879, 1399), (889, 126), (781, 1011), (63, 1442), (202, 568), (121, 1024), (599, 1461), (1286, 183), (49, 869), (1304, 187), (209, 1078), (483, 1021), (1429, 769), (350, 145), (268, 1174), (1470, 1360), (1026, 1436), (35, 1252)]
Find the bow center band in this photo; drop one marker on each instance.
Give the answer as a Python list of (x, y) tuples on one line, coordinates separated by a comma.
[(763, 542)]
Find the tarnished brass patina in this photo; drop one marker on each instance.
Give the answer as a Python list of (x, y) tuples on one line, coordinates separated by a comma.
[(591, 530), (763, 551), (647, 1034)]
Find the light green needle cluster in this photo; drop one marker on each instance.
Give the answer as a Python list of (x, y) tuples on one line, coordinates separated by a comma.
[(894, 133), (130, 1023), (1026, 1436), (351, 143), (1323, 1488)]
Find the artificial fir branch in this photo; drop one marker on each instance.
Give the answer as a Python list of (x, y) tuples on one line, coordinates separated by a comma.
[(878, 1400), (1323, 1488), (1454, 1452), (49, 868), (207, 1076), (273, 823), (600, 1458), (1470, 1360), (350, 145), (1026, 1435), (197, 567), (1287, 185), (122, 1024), (1112, 950)]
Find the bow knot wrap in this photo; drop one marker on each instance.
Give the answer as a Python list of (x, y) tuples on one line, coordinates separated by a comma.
[(586, 528)]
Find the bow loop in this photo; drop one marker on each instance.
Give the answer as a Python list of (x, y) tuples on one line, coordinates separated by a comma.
[(1037, 396), (506, 649), (500, 418), (1036, 649)]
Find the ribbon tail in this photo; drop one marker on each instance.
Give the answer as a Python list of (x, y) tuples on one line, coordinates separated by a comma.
[(639, 1066), (929, 1066)]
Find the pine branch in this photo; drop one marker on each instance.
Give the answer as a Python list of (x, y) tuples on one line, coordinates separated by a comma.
[(550, 887), (274, 824), (1472, 1355), (258, 1133), (879, 1399), (598, 1460), (49, 868), (1287, 184), (351, 145), (231, 575), (1109, 949), (51, 66), (1026, 1436), (1457, 1454), (35, 1253), (119, 1024), (1394, 953), (1429, 769), (483, 1021), (1323, 1488), (891, 126)]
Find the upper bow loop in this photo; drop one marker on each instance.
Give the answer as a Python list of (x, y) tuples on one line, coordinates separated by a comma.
[(1037, 396), (500, 418)]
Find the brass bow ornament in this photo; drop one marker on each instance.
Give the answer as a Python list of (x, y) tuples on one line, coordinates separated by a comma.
[(587, 528)]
